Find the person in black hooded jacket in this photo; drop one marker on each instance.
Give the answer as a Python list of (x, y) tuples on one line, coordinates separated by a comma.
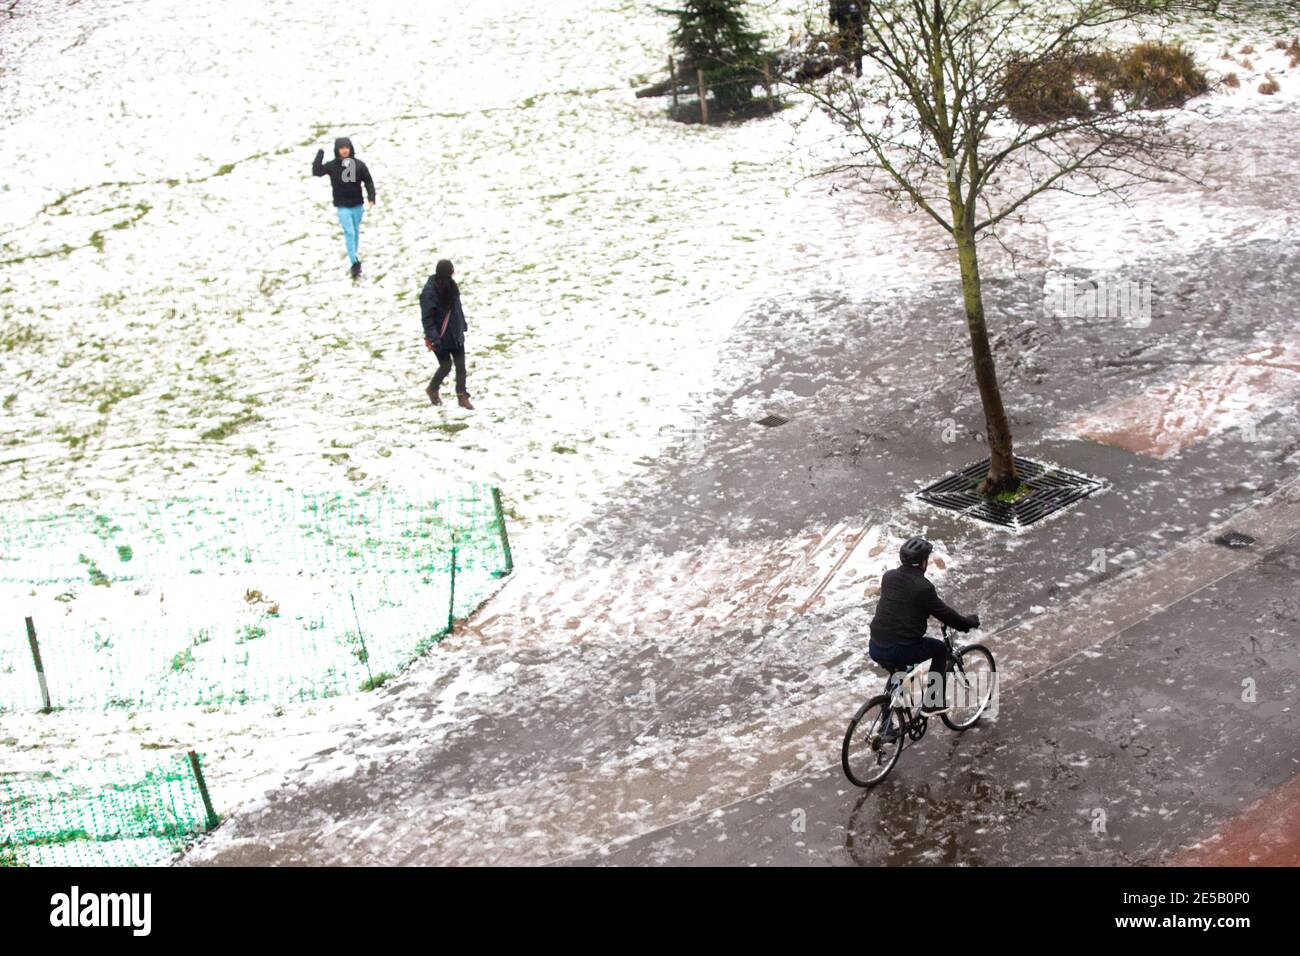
[(347, 175), (444, 330), (907, 602), (849, 18)]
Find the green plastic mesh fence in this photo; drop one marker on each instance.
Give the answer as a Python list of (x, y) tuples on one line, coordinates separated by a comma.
[(248, 597), (350, 533), (126, 813)]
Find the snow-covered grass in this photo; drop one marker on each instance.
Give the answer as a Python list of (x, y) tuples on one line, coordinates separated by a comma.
[(209, 334), (177, 312)]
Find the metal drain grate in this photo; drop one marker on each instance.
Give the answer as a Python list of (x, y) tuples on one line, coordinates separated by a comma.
[(1051, 489), (1234, 539), (772, 421)]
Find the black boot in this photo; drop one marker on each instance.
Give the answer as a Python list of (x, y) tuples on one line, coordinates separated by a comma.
[(356, 269), (890, 733)]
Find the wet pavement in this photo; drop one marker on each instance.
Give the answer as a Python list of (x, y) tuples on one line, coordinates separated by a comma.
[(1125, 753), (881, 404)]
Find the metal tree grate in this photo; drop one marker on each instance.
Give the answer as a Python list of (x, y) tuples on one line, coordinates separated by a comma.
[(1051, 489), (1234, 539), (772, 421)]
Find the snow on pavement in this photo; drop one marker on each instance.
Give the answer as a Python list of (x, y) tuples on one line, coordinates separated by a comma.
[(1166, 418)]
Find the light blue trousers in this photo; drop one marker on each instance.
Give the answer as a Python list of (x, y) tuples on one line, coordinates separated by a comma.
[(350, 220)]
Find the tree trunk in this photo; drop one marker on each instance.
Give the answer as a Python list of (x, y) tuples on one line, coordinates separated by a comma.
[(1002, 464)]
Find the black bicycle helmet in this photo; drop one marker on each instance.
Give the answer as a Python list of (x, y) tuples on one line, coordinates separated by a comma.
[(914, 551)]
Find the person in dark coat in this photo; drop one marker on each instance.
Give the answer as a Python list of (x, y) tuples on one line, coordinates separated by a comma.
[(444, 330), (347, 175), (848, 17), (907, 602)]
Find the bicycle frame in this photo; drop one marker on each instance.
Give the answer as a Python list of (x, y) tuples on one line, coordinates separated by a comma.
[(904, 702), (903, 695), (905, 691)]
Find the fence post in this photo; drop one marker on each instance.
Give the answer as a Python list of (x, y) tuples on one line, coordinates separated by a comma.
[(451, 602), (40, 668), (704, 95), (672, 79), (213, 820), (501, 523), (365, 652)]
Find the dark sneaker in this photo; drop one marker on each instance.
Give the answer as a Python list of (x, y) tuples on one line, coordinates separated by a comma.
[(356, 270)]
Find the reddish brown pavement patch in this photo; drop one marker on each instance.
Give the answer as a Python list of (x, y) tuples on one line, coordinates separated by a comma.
[(1266, 834), (1165, 419)]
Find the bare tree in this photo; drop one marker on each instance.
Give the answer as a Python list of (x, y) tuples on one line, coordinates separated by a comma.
[(934, 125)]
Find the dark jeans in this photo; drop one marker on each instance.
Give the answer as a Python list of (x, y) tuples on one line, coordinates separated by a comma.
[(848, 22), (444, 366), (898, 657)]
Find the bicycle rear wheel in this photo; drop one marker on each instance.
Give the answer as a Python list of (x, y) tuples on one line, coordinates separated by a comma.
[(866, 756), (973, 682)]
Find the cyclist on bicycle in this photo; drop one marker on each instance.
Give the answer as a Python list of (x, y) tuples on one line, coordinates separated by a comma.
[(907, 601)]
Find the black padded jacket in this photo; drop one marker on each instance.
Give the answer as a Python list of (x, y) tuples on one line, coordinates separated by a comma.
[(907, 602)]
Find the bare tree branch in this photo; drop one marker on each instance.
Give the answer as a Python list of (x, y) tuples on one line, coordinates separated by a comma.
[(939, 122)]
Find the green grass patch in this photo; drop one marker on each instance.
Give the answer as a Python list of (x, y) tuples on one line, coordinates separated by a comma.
[(18, 336), (230, 426), (250, 632), (97, 577), (117, 393), (1011, 497)]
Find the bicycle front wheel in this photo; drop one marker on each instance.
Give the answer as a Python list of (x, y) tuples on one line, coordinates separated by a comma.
[(868, 755), (973, 682)]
